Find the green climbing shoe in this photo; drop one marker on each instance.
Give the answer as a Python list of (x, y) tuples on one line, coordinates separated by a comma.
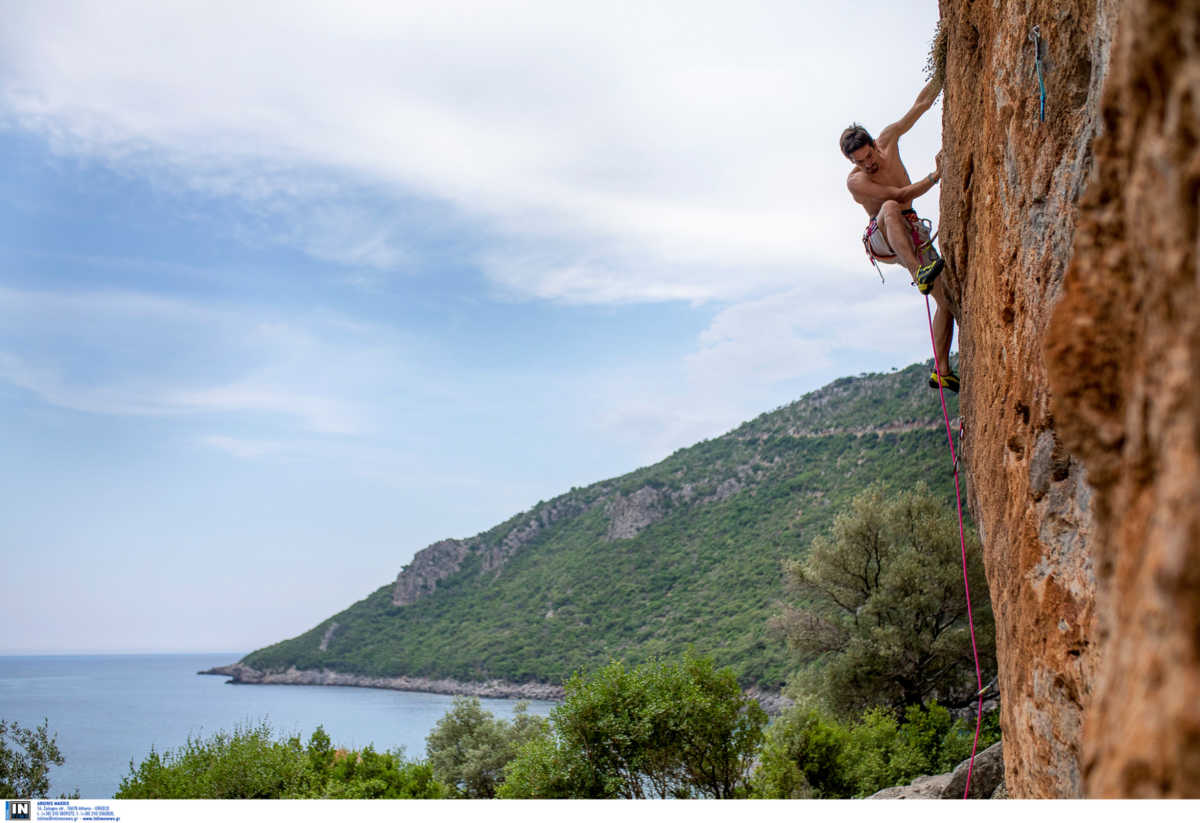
[(927, 274), (949, 381)]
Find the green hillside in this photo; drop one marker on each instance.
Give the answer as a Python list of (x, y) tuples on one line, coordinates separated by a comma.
[(684, 552)]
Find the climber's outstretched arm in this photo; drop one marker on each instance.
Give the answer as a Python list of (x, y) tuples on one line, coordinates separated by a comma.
[(924, 101)]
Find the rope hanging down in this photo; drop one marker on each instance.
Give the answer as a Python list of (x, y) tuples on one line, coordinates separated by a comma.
[(962, 537)]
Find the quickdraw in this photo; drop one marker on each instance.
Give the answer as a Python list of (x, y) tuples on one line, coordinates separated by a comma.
[(1036, 37), (958, 452)]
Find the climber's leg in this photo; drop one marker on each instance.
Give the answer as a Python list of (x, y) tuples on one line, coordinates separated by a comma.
[(898, 233), (943, 327)]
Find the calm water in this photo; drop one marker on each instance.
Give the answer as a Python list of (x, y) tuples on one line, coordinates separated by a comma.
[(107, 710)]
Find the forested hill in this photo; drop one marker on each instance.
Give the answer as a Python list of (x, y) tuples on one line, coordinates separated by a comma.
[(684, 552)]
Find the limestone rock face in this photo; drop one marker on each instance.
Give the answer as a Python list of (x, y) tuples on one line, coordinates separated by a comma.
[(629, 515), (428, 566), (438, 561), (1124, 353), (1008, 194)]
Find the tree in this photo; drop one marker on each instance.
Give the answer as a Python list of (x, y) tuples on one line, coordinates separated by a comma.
[(882, 619), (662, 729), (25, 759), (469, 748)]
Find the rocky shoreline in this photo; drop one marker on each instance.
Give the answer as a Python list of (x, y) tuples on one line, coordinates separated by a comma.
[(241, 674)]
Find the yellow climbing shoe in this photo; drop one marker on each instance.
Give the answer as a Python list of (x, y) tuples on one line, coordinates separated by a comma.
[(927, 274), (948, 381)]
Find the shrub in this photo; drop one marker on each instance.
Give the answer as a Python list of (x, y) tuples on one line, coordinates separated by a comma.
[(807, 752), (250, 763), (469, 748), (660, 729), (803, 756)]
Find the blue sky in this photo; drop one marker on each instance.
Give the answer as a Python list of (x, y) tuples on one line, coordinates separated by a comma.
[(290, 291)]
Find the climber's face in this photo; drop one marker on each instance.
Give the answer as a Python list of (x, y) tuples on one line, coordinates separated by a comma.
[(866, 158)]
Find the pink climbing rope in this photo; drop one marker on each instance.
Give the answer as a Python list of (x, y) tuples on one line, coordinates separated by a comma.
[(962, 538)]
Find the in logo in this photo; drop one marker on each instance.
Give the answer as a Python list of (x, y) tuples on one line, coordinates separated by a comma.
[(17, 810)]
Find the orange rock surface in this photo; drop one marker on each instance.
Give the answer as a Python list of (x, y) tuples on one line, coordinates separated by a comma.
[(1010, 185), (1123, 350), (1073, 246)]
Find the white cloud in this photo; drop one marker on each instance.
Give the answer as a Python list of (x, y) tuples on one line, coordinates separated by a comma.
[(123, 353), (242, 447), (323, 414), (760, 353), (789, 335), (664, 151)]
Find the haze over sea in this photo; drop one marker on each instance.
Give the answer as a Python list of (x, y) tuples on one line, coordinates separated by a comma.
[(109, 709)]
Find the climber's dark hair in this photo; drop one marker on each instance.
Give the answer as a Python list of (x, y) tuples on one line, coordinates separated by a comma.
[(854, 138)]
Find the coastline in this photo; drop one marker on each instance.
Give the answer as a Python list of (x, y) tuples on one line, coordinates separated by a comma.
[(241, 674)]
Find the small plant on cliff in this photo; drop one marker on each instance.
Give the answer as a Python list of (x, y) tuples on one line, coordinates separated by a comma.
[(935, 63), (882, 617)]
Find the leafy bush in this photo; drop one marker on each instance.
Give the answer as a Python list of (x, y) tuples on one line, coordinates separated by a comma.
[(810, 753), (250, 763), (803, 755), (469, 748), (660, 729)]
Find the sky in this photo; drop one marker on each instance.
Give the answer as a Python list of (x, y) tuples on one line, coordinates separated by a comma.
[(289, 291)]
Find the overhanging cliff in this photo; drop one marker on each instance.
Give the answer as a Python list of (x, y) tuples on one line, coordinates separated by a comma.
[(1078, 350)]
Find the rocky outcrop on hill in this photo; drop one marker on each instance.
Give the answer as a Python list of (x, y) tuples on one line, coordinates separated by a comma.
[(629, 515), (444, 558), (428, 566), (1124, 353)]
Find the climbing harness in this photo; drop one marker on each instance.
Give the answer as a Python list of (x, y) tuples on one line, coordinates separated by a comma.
[(1036, 37), (962, 537), (921, 228)]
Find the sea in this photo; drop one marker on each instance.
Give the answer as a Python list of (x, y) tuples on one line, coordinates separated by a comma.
[(107, 711)]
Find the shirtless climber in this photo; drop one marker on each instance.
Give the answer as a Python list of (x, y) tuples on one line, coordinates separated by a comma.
[(880, 183)]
